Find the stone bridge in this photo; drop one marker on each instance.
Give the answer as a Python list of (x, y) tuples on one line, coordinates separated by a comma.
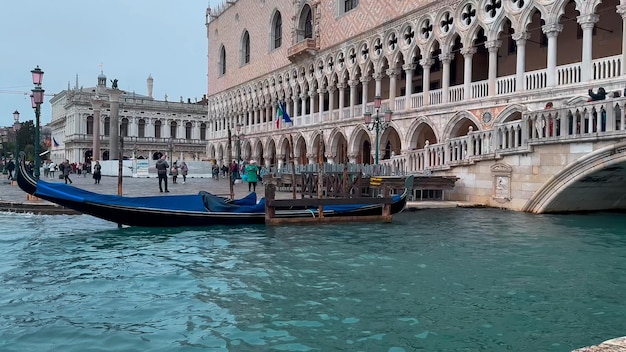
[(571, 158)]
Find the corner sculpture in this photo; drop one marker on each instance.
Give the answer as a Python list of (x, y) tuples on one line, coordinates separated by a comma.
[(114, 86)]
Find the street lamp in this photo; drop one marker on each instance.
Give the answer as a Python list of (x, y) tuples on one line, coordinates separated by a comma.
[(378, 124), (36, 101), (239, 138), (16, 127)]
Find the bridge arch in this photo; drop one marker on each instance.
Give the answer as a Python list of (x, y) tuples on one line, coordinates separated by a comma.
[(593, 182)]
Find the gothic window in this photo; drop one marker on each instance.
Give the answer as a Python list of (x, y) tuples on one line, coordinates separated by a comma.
[(141, 128), (107, 125), (157, 129), (222, 62), (188, 130), (173, 126), (203, 131), (277, 31), (245, 48), (89, 124), (124, 128), (305, 24)]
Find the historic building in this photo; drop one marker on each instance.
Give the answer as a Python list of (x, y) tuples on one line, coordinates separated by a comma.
[(148, 127), (465, 81)]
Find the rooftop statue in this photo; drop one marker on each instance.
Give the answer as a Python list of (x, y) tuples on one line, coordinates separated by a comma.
[(114, 86)]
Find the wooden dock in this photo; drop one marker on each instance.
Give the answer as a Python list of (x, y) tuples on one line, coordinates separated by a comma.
[(271, 203)]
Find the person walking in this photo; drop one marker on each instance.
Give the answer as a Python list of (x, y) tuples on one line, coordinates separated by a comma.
[(162, 166), (97, 172), (252, 175), (66, 168), (184, 169)]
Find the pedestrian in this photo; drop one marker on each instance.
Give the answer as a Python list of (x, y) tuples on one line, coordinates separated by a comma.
[(252, 175), (66, 169), (53, 168), (174, 172), (184, 169), (234, 170), (97, 173), (85, 169), (262, 173), (162, 166), (10, 168), (46, 168)]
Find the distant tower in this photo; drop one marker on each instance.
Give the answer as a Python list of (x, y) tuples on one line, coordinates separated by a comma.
[(102, 79), (150, 81)]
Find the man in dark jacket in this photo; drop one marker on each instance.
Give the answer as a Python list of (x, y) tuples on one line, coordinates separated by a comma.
[(162, 166), (601, 95), (10, 168)]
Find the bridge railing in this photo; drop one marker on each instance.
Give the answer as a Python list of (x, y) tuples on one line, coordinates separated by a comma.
[(602, 119)]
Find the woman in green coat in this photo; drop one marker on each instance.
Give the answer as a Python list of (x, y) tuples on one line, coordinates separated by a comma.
[(252, 175)]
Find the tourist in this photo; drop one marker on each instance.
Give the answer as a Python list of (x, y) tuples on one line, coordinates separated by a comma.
[(252, 173), (52, 169), (66, 168), (601, 95), (234, 171), (184, 169), (97, 172), (10, 168), (174, 172), (262, 173), (46, 168), (162, 166)]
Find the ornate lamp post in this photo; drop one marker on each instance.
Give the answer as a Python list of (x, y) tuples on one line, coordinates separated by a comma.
[(378, 124), (36, 101), (239, 138), (16, 127)]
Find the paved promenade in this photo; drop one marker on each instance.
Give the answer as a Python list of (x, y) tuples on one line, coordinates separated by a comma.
[(136, 187)]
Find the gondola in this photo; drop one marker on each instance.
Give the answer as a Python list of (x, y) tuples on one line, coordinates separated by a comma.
[(202, 209)]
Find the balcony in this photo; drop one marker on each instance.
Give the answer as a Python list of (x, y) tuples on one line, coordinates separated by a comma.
[(305, 49)]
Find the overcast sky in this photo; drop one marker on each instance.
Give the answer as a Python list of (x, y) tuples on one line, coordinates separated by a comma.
[(126, 39)]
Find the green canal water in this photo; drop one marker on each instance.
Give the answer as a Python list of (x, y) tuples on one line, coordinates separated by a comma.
[(433, 280)]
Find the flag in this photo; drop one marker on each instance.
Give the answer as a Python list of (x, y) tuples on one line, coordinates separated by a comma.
[(54, 142), (281, 113)]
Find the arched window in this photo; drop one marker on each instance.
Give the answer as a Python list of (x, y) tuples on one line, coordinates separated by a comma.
[(141, 128), (124, 128), (308, 23), (173, 126), (89, 124), (203, 131), (107, 125), (188, 130), (277, 31), (245, 48), (157, 129), (222, 62)]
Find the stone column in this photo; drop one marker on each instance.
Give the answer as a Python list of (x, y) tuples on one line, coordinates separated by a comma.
[(295, 106), (408, 84), (446, 59), (312, 95), (467, 53), (331, 101), (493, 46), (96, 104), (303, 103), (621, 9), (341, 87), (552, 31), (378, 78), (364, 83), (426, 64), (320, 104), (352, 84), (114, 128), (393, 78), (586, 23), (520, 64)]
